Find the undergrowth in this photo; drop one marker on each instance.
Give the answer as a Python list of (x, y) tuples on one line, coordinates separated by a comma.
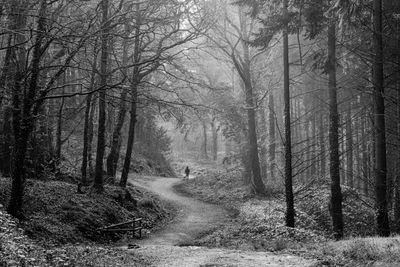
[(18, 250), (259, 224), (362, 252), (57, 214)]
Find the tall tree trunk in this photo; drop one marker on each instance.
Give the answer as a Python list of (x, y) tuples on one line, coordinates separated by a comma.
[(6, 69), (372, 150), (88, 127), (15, 52), (397, 204), (134, 99), (349, 147), (298, 134), (271, 134), (113, 156), (245, 153), (84, 179), (382, 218), (6, 144), (257, 183), (131, 138), (98, 178), (93, 109), (397, 181), (112, 159), (290, 213), (244, 69), (314, 162), (357, 155), (307, 151), (23, 122), (364, 151), (321, 132), (336, 192), (342, 154), (263, 145), (59, 127), (205, 141), (214, 139)]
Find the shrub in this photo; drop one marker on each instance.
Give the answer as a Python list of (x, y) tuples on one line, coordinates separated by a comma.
[(364, 250), (358, 214)]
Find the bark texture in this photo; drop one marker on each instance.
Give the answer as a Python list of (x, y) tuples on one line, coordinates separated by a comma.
[(23, 115), (113, 156), (382, 219), (136, 79), (334, 167), (290, 212), (101, 138)]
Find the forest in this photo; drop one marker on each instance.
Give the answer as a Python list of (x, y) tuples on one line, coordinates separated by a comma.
[(287, 112)]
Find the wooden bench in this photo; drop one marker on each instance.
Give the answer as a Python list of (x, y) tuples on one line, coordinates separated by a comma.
[(134, 226)]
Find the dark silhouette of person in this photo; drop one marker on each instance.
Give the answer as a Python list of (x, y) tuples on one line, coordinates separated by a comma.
[(187, 171)]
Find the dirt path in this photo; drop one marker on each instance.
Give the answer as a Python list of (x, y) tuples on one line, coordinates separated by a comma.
[(194, 218)]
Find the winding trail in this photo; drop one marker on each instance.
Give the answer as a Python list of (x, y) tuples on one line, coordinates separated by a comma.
[(194, 218)]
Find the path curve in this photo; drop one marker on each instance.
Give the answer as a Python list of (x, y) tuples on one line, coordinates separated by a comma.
[(195, 217)]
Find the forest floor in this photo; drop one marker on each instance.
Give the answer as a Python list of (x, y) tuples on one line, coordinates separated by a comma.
[(60, 225), (259, 222), (169, 246), (217, 222)]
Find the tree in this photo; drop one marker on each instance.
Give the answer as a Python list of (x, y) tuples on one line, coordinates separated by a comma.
[(113, 156), (336, 194), (155, 49), (30, 89), (23, 121), (136, 79), (290, 213), (272, 141), (382, 218), (88, 127), (98, 178), (245, 74), (234, 30), (274, 21)]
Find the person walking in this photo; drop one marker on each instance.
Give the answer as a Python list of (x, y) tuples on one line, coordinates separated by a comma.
[(187, 172)]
